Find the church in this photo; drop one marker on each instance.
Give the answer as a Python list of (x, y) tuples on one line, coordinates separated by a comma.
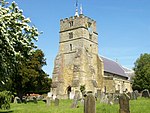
[(78, 63)]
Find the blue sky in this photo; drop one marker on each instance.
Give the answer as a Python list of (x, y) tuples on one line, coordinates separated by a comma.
[(123, 26)]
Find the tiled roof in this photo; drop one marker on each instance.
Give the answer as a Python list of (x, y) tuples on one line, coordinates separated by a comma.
[(113, 67)]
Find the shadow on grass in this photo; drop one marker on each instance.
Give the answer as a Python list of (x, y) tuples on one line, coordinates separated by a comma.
[(9, 111)]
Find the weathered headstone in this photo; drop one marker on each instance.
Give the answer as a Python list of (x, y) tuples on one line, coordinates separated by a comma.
[(102, 97), (82, 101), (75, 100), (98, 94), (48, 101), (116, 99), (24, 100), (35, 100), (77, 95), (89, 104), (56, 102), (124, 103), (133, 96), (75, 103), (110, 99), (137, 93), (17, 100), (145, 93)]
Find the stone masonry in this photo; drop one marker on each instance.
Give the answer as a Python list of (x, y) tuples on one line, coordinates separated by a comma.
[(77, 62)]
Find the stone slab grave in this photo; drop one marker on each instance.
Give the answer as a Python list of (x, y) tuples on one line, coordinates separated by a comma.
[(98, 94), (102, 96), (48, 101), (110, 99), (145, 93), (133, 96), (75, 103), (56, 102), (89, 104), (124, 103), (137, 93), (75, 100), (116, 99)]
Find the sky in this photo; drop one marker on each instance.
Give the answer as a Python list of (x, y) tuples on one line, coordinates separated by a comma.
[(123, 26)]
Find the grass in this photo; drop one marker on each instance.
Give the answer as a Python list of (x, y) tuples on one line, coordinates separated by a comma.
[(136, 106)]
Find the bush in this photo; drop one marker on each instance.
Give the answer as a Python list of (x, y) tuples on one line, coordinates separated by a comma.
[(5, 98)]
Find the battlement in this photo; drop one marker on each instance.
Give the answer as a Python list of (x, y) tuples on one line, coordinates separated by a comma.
[(72, 18), (76, 22)]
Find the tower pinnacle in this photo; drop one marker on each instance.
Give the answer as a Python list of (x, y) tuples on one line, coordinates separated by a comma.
[(76, 13), (81, 10)]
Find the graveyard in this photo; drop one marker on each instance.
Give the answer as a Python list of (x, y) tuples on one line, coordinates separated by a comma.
[(83, 79), (141, 105)]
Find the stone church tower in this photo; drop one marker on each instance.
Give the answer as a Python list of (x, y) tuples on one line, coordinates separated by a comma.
[(77, 63)]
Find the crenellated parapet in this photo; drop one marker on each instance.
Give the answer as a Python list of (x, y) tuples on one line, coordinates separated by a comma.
[(77, 21)]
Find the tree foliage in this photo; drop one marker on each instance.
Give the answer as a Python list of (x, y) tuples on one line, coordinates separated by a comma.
[(142, 73), (16, 38), (31, 76), (5, 98), (20, 64)]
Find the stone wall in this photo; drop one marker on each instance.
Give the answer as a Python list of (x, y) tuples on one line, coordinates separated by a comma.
[(77, 62)]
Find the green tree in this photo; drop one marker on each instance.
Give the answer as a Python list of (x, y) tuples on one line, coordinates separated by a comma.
[(142, 73), (31, 77), (16, 41)]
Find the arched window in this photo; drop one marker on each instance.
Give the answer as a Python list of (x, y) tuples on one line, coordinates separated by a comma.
[(70, 47)]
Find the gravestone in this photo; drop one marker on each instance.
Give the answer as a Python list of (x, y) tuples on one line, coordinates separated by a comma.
[(145, 93), (133, 96), (77, 95), (124, 103), (75, 100), (98, 94), (110, 99), (24, 100), (56, 102), (89, 104), (17, 100), (48, 101), (137, 93), (75, 103), (104, 99), (116, 99), (35, 100), (82, 101), (102, 96)]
